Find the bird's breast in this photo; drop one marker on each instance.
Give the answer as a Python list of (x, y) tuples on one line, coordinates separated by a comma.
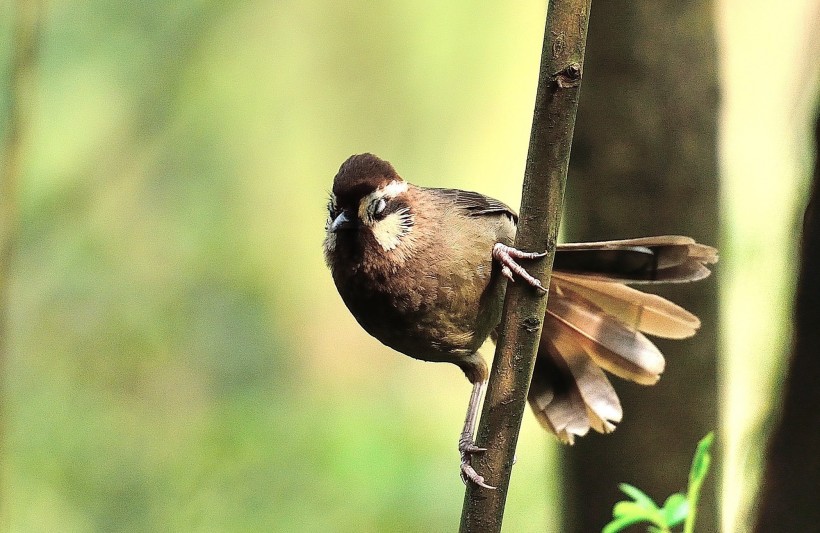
[(438, 305)]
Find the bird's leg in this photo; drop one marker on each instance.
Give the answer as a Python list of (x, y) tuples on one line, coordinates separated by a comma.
[(507, 255), (466, 445)]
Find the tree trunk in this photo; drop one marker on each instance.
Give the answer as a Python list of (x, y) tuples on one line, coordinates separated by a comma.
[(644, 163), (788, 500)]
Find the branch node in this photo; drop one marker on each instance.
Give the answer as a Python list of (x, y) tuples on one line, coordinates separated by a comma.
[(531, 324), (569, 76)]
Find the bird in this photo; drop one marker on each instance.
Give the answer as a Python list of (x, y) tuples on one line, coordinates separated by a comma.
[(424, 271)]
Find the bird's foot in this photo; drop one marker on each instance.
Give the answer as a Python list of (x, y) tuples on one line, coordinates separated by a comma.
[(507, 255), (467, 448)]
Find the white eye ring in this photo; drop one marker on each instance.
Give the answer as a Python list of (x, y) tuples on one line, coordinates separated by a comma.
[(380, 207)]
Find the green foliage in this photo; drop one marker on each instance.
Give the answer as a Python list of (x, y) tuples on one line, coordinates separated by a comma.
[(678, 508)]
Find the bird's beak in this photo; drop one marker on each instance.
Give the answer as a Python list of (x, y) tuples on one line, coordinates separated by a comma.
[(342, 221)]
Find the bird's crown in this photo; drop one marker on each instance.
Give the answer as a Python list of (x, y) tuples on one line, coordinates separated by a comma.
[(360, 175)]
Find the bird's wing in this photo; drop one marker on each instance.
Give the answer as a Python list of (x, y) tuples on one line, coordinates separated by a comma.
[(476, 204)]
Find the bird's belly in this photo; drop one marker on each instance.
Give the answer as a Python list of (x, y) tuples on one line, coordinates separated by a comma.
[(436, 320)]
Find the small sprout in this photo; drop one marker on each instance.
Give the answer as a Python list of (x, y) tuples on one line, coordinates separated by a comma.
[(678, 508)]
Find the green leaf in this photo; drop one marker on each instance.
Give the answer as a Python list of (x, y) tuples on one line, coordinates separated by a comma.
[(638, 513), (640, 497), (702, 460), (621, 523), (675, 509), (700, 467), (625, 509)]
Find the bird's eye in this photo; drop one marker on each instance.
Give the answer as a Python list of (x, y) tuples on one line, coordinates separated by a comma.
[(380, 207)]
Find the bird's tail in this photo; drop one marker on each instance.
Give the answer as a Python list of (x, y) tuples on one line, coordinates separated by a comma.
[(595, 321)]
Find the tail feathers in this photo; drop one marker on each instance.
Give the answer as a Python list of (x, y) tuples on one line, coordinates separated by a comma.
[(641, 311), (665, 259), (570, 393), (595, 322), (614, 346)]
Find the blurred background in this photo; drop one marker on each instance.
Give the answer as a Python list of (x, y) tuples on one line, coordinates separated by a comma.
[(175, 355)]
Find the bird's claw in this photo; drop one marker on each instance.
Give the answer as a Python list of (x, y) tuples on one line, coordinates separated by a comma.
[(507, 255), (468, 473)]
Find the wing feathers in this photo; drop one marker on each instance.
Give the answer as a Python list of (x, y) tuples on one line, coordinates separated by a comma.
[(475, 204)]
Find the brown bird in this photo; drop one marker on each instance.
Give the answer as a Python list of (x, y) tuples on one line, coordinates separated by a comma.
[(424, 271)]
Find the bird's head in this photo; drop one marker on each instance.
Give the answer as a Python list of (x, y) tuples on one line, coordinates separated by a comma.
[(369, 206)]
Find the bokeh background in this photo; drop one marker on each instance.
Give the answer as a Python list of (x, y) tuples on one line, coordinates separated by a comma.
[(176, 356)]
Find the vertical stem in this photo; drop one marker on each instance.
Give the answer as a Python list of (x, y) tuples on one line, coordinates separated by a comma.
[(556, 102), (26, 23)]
